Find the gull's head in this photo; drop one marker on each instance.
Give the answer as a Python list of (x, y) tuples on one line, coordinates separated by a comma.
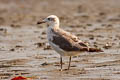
[(52, 21)]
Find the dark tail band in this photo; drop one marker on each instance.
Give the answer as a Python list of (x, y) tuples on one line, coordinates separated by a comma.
[(95, 50)]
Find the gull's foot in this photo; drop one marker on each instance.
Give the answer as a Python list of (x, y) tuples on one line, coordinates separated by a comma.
[(67, 69), (61, 70)]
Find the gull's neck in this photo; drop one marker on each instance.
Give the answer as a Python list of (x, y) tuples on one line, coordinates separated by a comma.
[(54, 26)]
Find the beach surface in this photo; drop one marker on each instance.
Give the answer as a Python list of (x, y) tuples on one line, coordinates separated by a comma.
[(24, 49)]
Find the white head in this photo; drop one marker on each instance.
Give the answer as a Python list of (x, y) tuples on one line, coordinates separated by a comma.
[(52, 21)]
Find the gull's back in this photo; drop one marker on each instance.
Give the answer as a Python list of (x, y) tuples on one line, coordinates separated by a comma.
[(67, 41)]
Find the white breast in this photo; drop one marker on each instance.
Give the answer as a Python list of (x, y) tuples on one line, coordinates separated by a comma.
[(54, 46)]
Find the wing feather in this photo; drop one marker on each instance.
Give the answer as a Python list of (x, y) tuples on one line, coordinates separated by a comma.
[(67, 41)]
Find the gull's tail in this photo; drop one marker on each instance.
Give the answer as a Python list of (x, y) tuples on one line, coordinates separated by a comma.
[(95, 50)]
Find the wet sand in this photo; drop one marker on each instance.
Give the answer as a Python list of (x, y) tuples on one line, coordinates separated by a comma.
[(24, 49)]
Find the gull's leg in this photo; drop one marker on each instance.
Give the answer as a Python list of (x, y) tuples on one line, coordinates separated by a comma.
[(69, 63), (61, 62)]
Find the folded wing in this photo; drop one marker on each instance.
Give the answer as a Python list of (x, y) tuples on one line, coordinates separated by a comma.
[(68, 42)]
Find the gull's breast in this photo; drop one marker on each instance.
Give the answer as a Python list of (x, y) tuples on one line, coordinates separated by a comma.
[(50, 35)]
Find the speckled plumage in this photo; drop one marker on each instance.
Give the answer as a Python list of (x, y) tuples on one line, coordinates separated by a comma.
[(64, 42)]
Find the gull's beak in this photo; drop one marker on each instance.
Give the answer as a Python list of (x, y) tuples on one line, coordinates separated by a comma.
[(40, 22)]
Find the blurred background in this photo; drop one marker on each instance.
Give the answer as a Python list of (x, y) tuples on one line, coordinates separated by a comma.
[(24, 49), (78, 11)]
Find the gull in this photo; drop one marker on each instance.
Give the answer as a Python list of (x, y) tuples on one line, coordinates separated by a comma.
[(63, 42)]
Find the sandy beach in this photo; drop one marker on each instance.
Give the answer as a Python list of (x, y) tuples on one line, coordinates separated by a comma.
[(24, 49)]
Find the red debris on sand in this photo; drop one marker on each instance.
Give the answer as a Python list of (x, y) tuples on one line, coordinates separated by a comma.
[(20, 78)]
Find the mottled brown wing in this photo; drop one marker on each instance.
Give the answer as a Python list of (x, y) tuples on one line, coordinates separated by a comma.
[(68, 42)]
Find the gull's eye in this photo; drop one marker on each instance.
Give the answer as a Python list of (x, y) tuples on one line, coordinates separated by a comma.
[(49, 19)]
